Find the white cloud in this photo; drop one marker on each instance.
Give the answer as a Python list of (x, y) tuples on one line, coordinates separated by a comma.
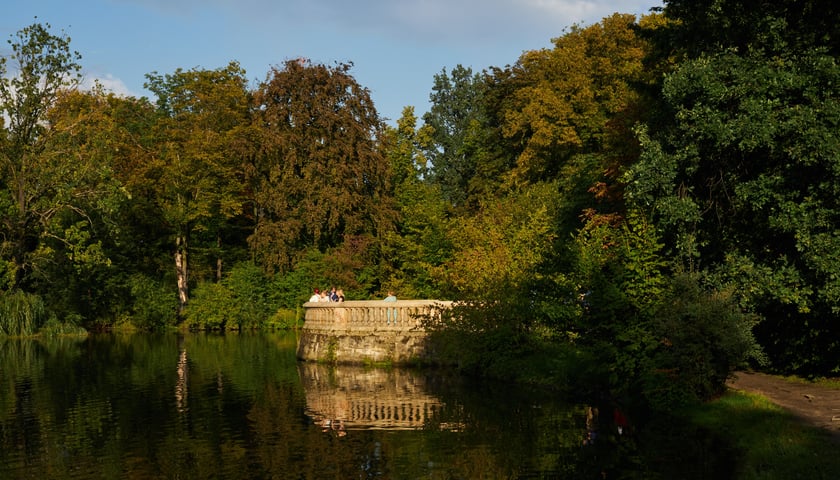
[(109, 83)]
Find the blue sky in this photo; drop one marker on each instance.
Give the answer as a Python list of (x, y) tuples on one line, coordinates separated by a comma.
[(396, 46)]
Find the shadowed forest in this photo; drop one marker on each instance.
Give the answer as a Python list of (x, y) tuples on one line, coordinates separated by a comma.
[(643, 207)]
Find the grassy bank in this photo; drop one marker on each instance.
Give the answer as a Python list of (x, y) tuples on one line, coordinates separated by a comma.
[(769, 442)]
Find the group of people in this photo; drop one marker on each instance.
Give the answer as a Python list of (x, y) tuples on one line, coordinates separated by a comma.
[(331, 295), (337, 295)]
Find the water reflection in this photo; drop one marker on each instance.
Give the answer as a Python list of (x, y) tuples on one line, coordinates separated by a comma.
[(355, 398), (181, 385), (241, 406)]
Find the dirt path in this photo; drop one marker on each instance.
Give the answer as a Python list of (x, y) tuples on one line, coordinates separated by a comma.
[(815, 405)]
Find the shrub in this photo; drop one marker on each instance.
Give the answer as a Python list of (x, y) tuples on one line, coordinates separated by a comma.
[(246, 298), (700, 338), (155, 303), (70, 326), (484, 337), (286, 318), (21, 313), (211, 308)]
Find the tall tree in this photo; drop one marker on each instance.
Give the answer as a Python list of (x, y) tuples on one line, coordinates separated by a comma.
[(577, 99), (742, 180), (705, 26), (197, 171), (563, 118), (455, 120), (319, 175), (566, 115), (417, 249), (97, 136), (35, 186)]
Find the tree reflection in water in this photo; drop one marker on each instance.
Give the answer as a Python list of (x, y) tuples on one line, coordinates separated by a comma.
[(244, 407), (181, 385)]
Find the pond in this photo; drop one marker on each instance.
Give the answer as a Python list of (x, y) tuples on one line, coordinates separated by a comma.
[(241, 406)]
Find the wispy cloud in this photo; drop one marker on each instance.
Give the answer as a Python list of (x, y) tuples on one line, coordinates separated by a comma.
[(434, 21), (397, 46)]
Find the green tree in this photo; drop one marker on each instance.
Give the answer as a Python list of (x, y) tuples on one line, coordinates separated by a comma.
[(319, 176), (33, 186), (741, 174), (97, 136), (197, 167), (659, 339), (746, 183), (506, 300), (499, 250), (419, 246), (455, 121), (706, 26)]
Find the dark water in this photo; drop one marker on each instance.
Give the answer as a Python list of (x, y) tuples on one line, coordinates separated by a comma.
[(240, 406)]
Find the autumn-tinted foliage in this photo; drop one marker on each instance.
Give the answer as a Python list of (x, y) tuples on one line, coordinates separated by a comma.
[(318, 173)]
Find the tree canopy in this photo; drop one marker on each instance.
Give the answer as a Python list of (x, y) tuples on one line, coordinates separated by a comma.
[(642, 194), (317, 174)]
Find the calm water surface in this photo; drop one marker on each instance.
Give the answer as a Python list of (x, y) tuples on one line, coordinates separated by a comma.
[(240, 406)]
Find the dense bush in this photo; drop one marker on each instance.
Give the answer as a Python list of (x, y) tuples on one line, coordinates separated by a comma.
[(246, 299), (211, 307), (478, 336), (699, 337)]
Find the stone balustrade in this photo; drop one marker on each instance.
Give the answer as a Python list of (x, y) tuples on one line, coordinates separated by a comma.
[(372, 314), (368, 331)]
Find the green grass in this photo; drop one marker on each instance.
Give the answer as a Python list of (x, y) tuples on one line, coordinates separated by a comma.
[(770, 443), (827, 382), (833, 382), (54, 328)]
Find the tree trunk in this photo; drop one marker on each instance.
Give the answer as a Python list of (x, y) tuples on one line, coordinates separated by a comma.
[(181, 272), (219, 258)]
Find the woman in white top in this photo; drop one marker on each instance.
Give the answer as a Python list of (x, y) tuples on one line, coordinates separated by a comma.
[(315, 296)]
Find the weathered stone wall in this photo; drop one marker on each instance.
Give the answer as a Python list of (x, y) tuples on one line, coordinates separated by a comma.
[(357, 332)]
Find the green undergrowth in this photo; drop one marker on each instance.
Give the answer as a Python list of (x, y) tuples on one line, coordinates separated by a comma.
[(769, 443)]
